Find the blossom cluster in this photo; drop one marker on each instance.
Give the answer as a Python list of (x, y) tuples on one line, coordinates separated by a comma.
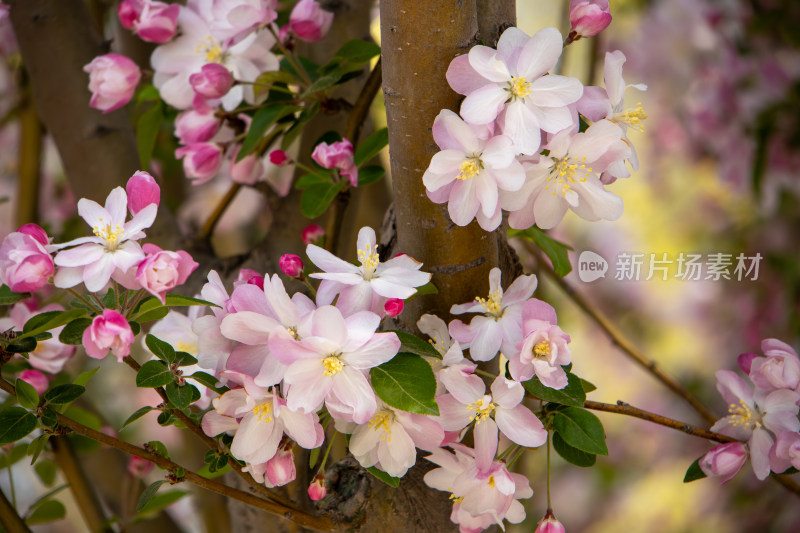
[(519, 146)]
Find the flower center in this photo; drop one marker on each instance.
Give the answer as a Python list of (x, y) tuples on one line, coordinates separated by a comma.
[(541, 350), (263, 412), (470, 168), (110, 235), (333, 365), (519, 87), (369, 261), (456, 499), (293, 332), (491, 481), (483, 409), (565, 172), (382, 422), (494, 305), (212, 50), (439, 345), (632, 117), (742, 416)]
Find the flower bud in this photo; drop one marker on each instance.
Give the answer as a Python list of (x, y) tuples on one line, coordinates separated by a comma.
[(309, 22), (161, 271), (128, 11), (280, 469), (550, 524), (312, 234), (247, 171), (201, 161), (317, 490), (142, 191), (213, 81), (157, 22), (196, 125), (724, 460), (25, 264), (745, 361), (291, 265), (112, 80), (36, 232), (138, 467), (393, 307), (109, 331), (35, 379), (278, 157), (338, 155), (588, 17), (248, 276)]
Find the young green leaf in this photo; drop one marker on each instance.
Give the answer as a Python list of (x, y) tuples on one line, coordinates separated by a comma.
[(370, 174), (148, 494), (407, 383), (146, 132), (207, 380), (61, 394), (139, 413), (84, 377), (371, 146), (162, 500), (555, 250), (46, 470), (412, 344), (162, 350), (316, 198), (154, 374), (581, 429), (15, 423), (47, 511), (262, 120), (72, 333), (37, 446), (572, 455), (573, 394), (694, 472), (21, 345), (185, 359), (182, 397), (26, 394), (383, 476), (9, 297)]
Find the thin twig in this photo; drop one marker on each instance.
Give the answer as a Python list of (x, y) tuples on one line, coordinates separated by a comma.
[(10, 518)]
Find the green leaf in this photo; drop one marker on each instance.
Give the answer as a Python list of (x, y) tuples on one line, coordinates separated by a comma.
[(72, 333), (428, 288), (694, 472), (262, 120), (109, 299), (208, 474), (317, 198), (136, 328), (370, 174), (26, 394), (162, 350), (185, 359), (356, 52), (182, 397), (165, 418), (15, 423), (172, 300), (307, 180), (49, 417), (572, 455), (158, 448), (266, 80), (383, 476), (155, 314), (46, 470), (139, 413), (406, 382), (207, 380), (587, 386), (216, 461), (162, 500), (47, 511), (325, 82), (9, 297), (412, 344), (154, 374), (148, 494), (573, 394), (370, 147), (296, 128), (13, 455), (146, 132), (21, 345), (49, 320), (62, 394), (555, 250), (84, 377), (37, 446), (147, 93), (581, 429)]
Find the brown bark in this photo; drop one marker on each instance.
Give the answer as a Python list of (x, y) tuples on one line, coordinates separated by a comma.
[(494, 16)]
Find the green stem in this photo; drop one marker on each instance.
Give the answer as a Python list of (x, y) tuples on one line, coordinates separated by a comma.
[(485, 374), (548, 471), (328, 451), (11, 484), (310, 286), (84, 300), (9, 517)]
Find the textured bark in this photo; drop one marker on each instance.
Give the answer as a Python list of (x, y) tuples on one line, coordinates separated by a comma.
[(494, 16)]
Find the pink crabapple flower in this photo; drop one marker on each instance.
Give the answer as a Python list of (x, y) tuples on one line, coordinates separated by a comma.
[(317, 489), (589, 17), (113, 249), (291, 265), (544, 349), (196, 125), (470, 170), (724, 460), (201, 161), (779, 369), (109, 331), (161, 270), (138, 467), (25, 263), (338, 155), (248, 170), (50, 355), (393, 307), (112, 81), (756, 417), (212, 82), (786, 452), (499, 326), (331, 365), (510, 84), (369, 285), (35, 379), (152, 21), (312, 233), (309, 22), (550, 524), (234, 20), (280, 470), (142, 190)]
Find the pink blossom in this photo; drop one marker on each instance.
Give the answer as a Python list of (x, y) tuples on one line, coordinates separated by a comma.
[(589, 17), (338, 155), (161, 271), (786, 452), (196, 125), (249, 170), (280, 469), (393, 307), (142, 190), (278, 158), (550, 524), (312, 234), (138, 467), (109, 331), (724, 460), (251, 277), (152, 21), (454, 373), (780, 369), (35, 379), (201, 161), (50, 354), (544, 349), (25, 264), (234, 20), (112, 81), (317, 489), (309, 22), (291, 265), (212, 82)]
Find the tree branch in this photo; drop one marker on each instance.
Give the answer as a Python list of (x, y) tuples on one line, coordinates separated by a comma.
[(9, 517)]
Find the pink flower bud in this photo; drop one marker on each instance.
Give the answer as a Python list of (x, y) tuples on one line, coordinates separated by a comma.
[(309, 21), (213, 81), (25, 264), (337, 155), (142, 191), (158, 22), (201, 161), (280, 469), (724, 460), (161, 271), (196, 125), (393, 307), (128, 11), (317, 490), (745, 361), (278, 157), (550, 524), (109, 331), (284, 34), (138, 467), (312, 234), (589, 17), (248, 276), (291, 265), (247, 171), (112, 80), (35, 379)]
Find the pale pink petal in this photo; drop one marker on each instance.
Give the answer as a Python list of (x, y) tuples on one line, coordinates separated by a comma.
[(521, 426), (248, 327), (463, 202), (485, 443), (521, 124), (486, 63), (462, 78), (380, 348), (540, 53), (351, 387), (548, 210), (80, 255), (328, 262), (482, 106)]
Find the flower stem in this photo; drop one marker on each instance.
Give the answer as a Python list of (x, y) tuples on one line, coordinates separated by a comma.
[(548, 470), (84, 300), (328, 451)]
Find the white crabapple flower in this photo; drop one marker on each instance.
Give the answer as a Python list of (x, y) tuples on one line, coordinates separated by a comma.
[(567, 178), (370, 285), (499, 326), (454, 372), (470, 169), (544, 348), (756, 417), (511, 83), (331, 365), (112, 251)]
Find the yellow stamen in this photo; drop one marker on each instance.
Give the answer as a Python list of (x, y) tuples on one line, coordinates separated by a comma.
[(382, 421), (263, 412), (470, 168), (188, 347), (456, 499), (494, 305), (369, 260), (519, 87), (742, 416), (110, 235), (632, 117), (483, 409), (565, 172), (541, 350), (212, 50), (333, 365), (491, 481)]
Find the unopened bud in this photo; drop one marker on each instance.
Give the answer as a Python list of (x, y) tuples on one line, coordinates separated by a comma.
[(550, 524), (393, 307), (588, 18), (291, 265), (312, 234), (317, 490), (278, 157)]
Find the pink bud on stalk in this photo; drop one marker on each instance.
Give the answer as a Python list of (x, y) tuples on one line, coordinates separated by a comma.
[(213, 81), (291, 265), (312, 234), (278, 158), (142, 191), (550, 524), (201, 161), (152, 21), (109, 331), (112, 80), (338, 155), (25, 264), (724, 460), (588, 18), (393, 307), (317, 490), (309, 22), (35, 379)]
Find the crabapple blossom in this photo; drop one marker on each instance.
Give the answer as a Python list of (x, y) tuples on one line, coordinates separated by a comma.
[(112, 81), (544, 348), (232, 20), (139, 467), (786, 452), (338, 155), (550, 524), (317, 489), (368, 286), (35, 379), (470, 170), (393, 307), (499, 327), (312, 233), (201, 161), (248, 170), (291, 265), (142, 190), (50, 355), (109, 331), (724, 460), (588, 17), (161, 270), (280, 470), (780, 369), (25, 263), (279, 158), (196, 125), (309, 22), (510, 84), (152, 21), (212, 82)]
